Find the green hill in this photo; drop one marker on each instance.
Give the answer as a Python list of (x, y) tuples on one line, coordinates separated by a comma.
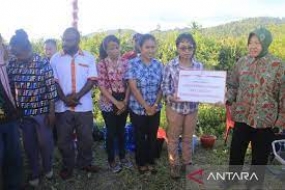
[(243, 27), (234, 29)]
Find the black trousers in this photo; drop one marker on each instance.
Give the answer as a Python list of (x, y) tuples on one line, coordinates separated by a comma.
[(261, 146), (115, 125), (54, 133), (145, 130)]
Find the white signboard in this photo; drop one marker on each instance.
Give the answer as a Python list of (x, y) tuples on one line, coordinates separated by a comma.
[(202, 86)]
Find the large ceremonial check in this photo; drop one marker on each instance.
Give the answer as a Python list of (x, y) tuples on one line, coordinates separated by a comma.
[(202, 86)]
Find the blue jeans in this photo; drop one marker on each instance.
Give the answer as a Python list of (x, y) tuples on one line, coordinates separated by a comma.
[(10, 156)]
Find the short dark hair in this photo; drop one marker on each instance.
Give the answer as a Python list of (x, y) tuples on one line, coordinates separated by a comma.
[(146, 37), (73, 30), (50, 41), (21, 39), (102, 50), (186, 36)]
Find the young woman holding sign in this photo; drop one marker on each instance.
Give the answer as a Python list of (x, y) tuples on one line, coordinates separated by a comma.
[(181, 116)]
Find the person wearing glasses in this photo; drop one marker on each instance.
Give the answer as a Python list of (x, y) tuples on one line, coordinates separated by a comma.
[(181, 116)]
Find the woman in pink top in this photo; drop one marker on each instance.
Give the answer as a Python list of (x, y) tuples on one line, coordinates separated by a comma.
[(113, 99)]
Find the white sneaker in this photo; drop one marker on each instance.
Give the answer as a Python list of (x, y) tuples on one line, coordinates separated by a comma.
[(115, 168), (126, 163), (49, 175), (34, 182)]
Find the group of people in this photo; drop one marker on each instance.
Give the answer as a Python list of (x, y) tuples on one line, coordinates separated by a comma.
[(51, 97)]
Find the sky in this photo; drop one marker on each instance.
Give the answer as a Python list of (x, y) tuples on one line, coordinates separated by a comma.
[(49, 18)]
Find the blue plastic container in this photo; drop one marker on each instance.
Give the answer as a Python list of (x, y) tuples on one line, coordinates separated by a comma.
[(195, 142), (129, 138)]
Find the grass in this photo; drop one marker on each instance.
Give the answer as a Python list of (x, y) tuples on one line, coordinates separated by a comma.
[(131, 179)]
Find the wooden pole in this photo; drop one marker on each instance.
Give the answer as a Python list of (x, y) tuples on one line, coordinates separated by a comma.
[(75, 14)]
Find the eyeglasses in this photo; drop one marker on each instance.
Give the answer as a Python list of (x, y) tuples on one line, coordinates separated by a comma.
[(190, 48)]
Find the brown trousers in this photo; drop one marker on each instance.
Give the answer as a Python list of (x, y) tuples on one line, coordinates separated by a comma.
[(82, 123), (180, 124)]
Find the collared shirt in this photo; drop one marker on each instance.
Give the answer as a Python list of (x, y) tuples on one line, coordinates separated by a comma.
[(256, 89), (72, 73), (148, 78), (169, 85), (33, 85), (111, 76)]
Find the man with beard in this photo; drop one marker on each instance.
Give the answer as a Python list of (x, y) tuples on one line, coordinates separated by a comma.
[(75, 74)]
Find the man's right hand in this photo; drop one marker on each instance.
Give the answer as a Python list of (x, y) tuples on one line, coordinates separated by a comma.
[(70, 100)]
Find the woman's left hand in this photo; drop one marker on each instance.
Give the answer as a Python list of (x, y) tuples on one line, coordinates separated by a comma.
[(120, 111)]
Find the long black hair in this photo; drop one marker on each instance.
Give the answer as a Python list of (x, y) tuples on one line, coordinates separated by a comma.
[(103, 46), (21, 40)]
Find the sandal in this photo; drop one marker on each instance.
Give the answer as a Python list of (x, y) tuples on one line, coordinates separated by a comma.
[(142, 169), (152, 169)]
